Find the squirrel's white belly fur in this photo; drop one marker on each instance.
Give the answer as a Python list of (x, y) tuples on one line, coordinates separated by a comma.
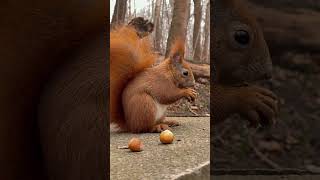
[(160, 110)]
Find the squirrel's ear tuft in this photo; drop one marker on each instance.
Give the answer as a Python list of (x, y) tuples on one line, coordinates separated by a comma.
[(177, 51), (176, 58)]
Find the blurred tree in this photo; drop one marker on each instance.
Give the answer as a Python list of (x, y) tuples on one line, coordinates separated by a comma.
[(152, 8), (158, 27), (206, 46), (196, 39), (179, 24), (119, 13), (129, 11)]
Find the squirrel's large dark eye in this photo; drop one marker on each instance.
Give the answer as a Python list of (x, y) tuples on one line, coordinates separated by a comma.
[(185, 73), (242, 37)]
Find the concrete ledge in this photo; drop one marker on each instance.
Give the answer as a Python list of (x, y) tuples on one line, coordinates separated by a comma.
[(187, 158), (263, 177), (200, 172)]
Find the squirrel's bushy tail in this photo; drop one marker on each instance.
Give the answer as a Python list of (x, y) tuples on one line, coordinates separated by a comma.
[(129, 55)]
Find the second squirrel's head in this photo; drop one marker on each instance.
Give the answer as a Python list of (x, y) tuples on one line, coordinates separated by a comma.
[(181, 72), (142, 26), (240, 52)]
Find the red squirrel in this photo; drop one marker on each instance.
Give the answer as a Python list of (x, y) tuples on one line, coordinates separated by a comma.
[(240, 57), (140, 92)]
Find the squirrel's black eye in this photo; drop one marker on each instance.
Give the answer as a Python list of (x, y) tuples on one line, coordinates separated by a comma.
[(242, 37), (185, 73)]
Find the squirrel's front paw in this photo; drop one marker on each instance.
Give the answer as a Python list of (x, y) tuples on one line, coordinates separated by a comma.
[(258, 105), (190, 94)]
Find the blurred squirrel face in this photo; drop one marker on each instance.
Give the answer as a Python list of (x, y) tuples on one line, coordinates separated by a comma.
[(143, 27), (240, 51), (182, 73)]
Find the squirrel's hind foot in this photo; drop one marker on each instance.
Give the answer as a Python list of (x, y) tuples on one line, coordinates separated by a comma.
[(171, 123), (159, 128)]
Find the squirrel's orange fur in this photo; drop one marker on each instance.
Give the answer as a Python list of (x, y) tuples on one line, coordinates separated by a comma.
[(139, 91), (129, 55)]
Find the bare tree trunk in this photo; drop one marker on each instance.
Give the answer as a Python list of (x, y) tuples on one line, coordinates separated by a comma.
[(157, 24), (167, 11), (129, 10), (119, 13), (196, 30), (178, 26), (171, 2), (161, 26), (205, 50), (134, 7), (152, 9), (200, 70), (292, 31)]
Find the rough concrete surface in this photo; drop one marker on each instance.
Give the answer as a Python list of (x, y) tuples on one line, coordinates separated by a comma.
[(187, 157), (262, 177)]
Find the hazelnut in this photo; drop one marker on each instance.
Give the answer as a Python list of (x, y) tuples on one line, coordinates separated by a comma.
[(135, 145), (166, 137)]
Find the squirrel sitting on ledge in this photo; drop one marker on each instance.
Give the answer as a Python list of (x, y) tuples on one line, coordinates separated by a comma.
[(140, 93)]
